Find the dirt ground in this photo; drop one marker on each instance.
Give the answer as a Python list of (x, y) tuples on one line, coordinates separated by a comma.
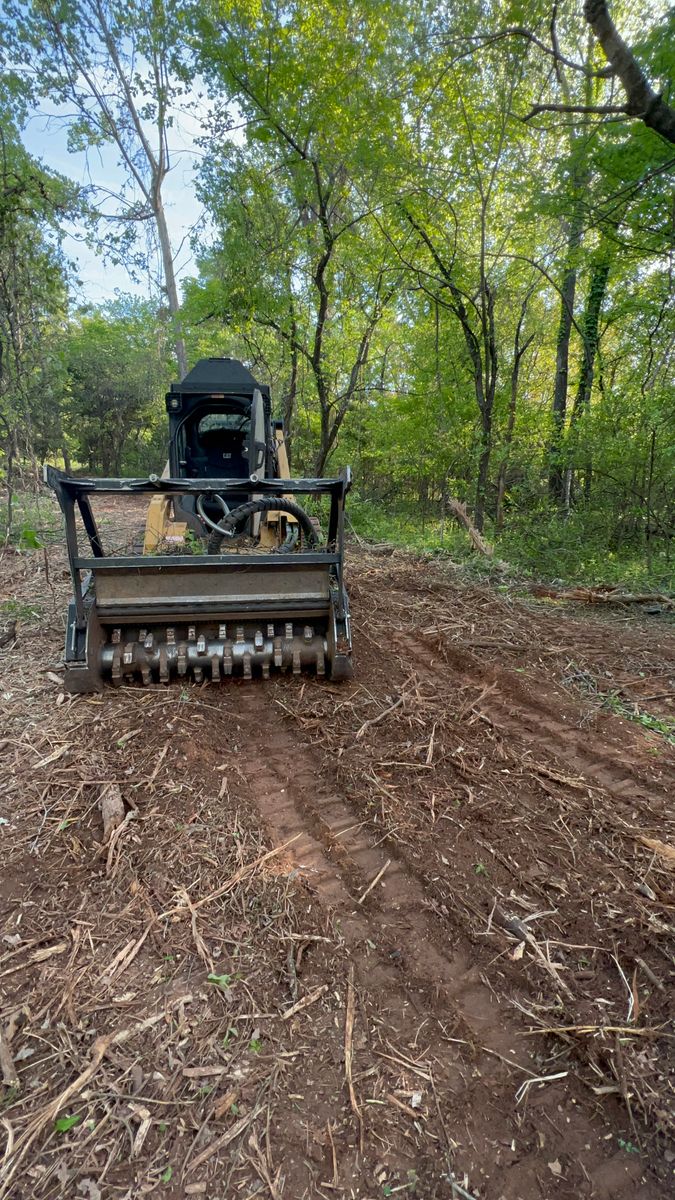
[(410, 935)]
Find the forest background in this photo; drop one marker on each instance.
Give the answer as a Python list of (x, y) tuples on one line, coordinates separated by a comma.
[(442, 232)]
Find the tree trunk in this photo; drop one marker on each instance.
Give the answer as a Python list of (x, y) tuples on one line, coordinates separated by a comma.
[(288, 408), (518, 352), (643, 101), (591, 321), (559, 413), (170, 279), (483, 469)]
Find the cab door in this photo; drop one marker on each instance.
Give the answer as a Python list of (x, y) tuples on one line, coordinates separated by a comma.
[(257, 450), (257, 438)]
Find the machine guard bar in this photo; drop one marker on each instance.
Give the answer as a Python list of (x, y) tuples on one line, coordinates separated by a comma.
[(72, 492)]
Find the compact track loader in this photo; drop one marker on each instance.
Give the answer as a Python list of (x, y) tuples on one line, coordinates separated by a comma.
[(231, 575)]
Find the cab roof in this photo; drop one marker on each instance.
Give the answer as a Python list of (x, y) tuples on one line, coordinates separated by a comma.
[(226, 376)]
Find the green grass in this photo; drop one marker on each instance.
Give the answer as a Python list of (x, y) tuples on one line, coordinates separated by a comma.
[(537, 546), (663, 726), (36, 521), (20, 610)]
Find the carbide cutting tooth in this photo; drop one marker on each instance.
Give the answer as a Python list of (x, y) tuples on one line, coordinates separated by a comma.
[(296, 661), (171, 635), (128, 656), (163, 664), (215, 666), (192, 633), (142, 634), (145, 675), (320, 662), (116, 637), (201, 644), (289, 630), (148, 642), (116, 665), (308, 633), (258, 639), (227, 658), (198, 674), (181, 658), (247, 666), (239, 635), (222, 632), (270, 630), (266, 670), (278, 653)]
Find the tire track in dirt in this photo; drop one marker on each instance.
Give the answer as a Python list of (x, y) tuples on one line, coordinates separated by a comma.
[(515, 712), (395, 944)]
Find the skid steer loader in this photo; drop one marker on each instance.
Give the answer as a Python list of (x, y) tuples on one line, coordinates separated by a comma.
[(264, 588)]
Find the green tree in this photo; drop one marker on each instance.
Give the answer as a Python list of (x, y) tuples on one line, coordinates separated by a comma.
[(33, 296), (120, 71), (117, 364)]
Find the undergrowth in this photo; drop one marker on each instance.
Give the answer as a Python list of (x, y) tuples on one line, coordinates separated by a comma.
[(540, 546)]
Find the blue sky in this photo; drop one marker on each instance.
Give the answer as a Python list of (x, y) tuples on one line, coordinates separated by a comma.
[(45, 136)]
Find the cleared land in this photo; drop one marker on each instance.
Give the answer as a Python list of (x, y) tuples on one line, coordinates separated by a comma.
[(408, 936)]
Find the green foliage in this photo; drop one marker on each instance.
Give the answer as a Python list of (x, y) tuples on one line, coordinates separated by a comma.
[(33, 204), (221, 981), (663, 726), (117, 364), (386, 244), (64, 1124)]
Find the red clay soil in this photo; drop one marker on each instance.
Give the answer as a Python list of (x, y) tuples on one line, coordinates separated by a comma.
[(410, 935)]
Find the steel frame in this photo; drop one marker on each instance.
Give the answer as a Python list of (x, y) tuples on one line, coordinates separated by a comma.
[(74, 494)]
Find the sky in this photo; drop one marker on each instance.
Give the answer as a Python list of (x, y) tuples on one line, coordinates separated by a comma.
[(45, 137)]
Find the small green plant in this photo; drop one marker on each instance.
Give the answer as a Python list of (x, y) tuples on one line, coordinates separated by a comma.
[(24, 612), (229, 1036), (7, 1100), (480, 868), (631, 712), (28, 539), (255, 1045), (221, 981), (167, 1174), (192, 544), (628, 1146), (63, 1124)]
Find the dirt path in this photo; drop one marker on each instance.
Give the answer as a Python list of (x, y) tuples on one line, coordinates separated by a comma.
[(456, 867)]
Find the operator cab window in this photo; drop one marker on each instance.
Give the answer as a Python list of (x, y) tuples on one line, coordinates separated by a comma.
[(219, 445)]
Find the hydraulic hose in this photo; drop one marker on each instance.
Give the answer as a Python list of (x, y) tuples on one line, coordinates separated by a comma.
[(228, 526), (290, 541), (200, 509)]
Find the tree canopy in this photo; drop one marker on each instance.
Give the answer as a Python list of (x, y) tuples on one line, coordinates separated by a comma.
[(443, 233)]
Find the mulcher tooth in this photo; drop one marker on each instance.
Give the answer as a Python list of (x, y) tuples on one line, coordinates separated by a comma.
[(278, 653)]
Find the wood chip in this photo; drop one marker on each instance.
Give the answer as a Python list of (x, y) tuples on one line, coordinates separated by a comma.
[(38, 956), (224, 1140), (305, 1002), (51, 758), (7, 1069), (350, 1015), (375, 881), (112, 809), (204, 1072), (664, 851)]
